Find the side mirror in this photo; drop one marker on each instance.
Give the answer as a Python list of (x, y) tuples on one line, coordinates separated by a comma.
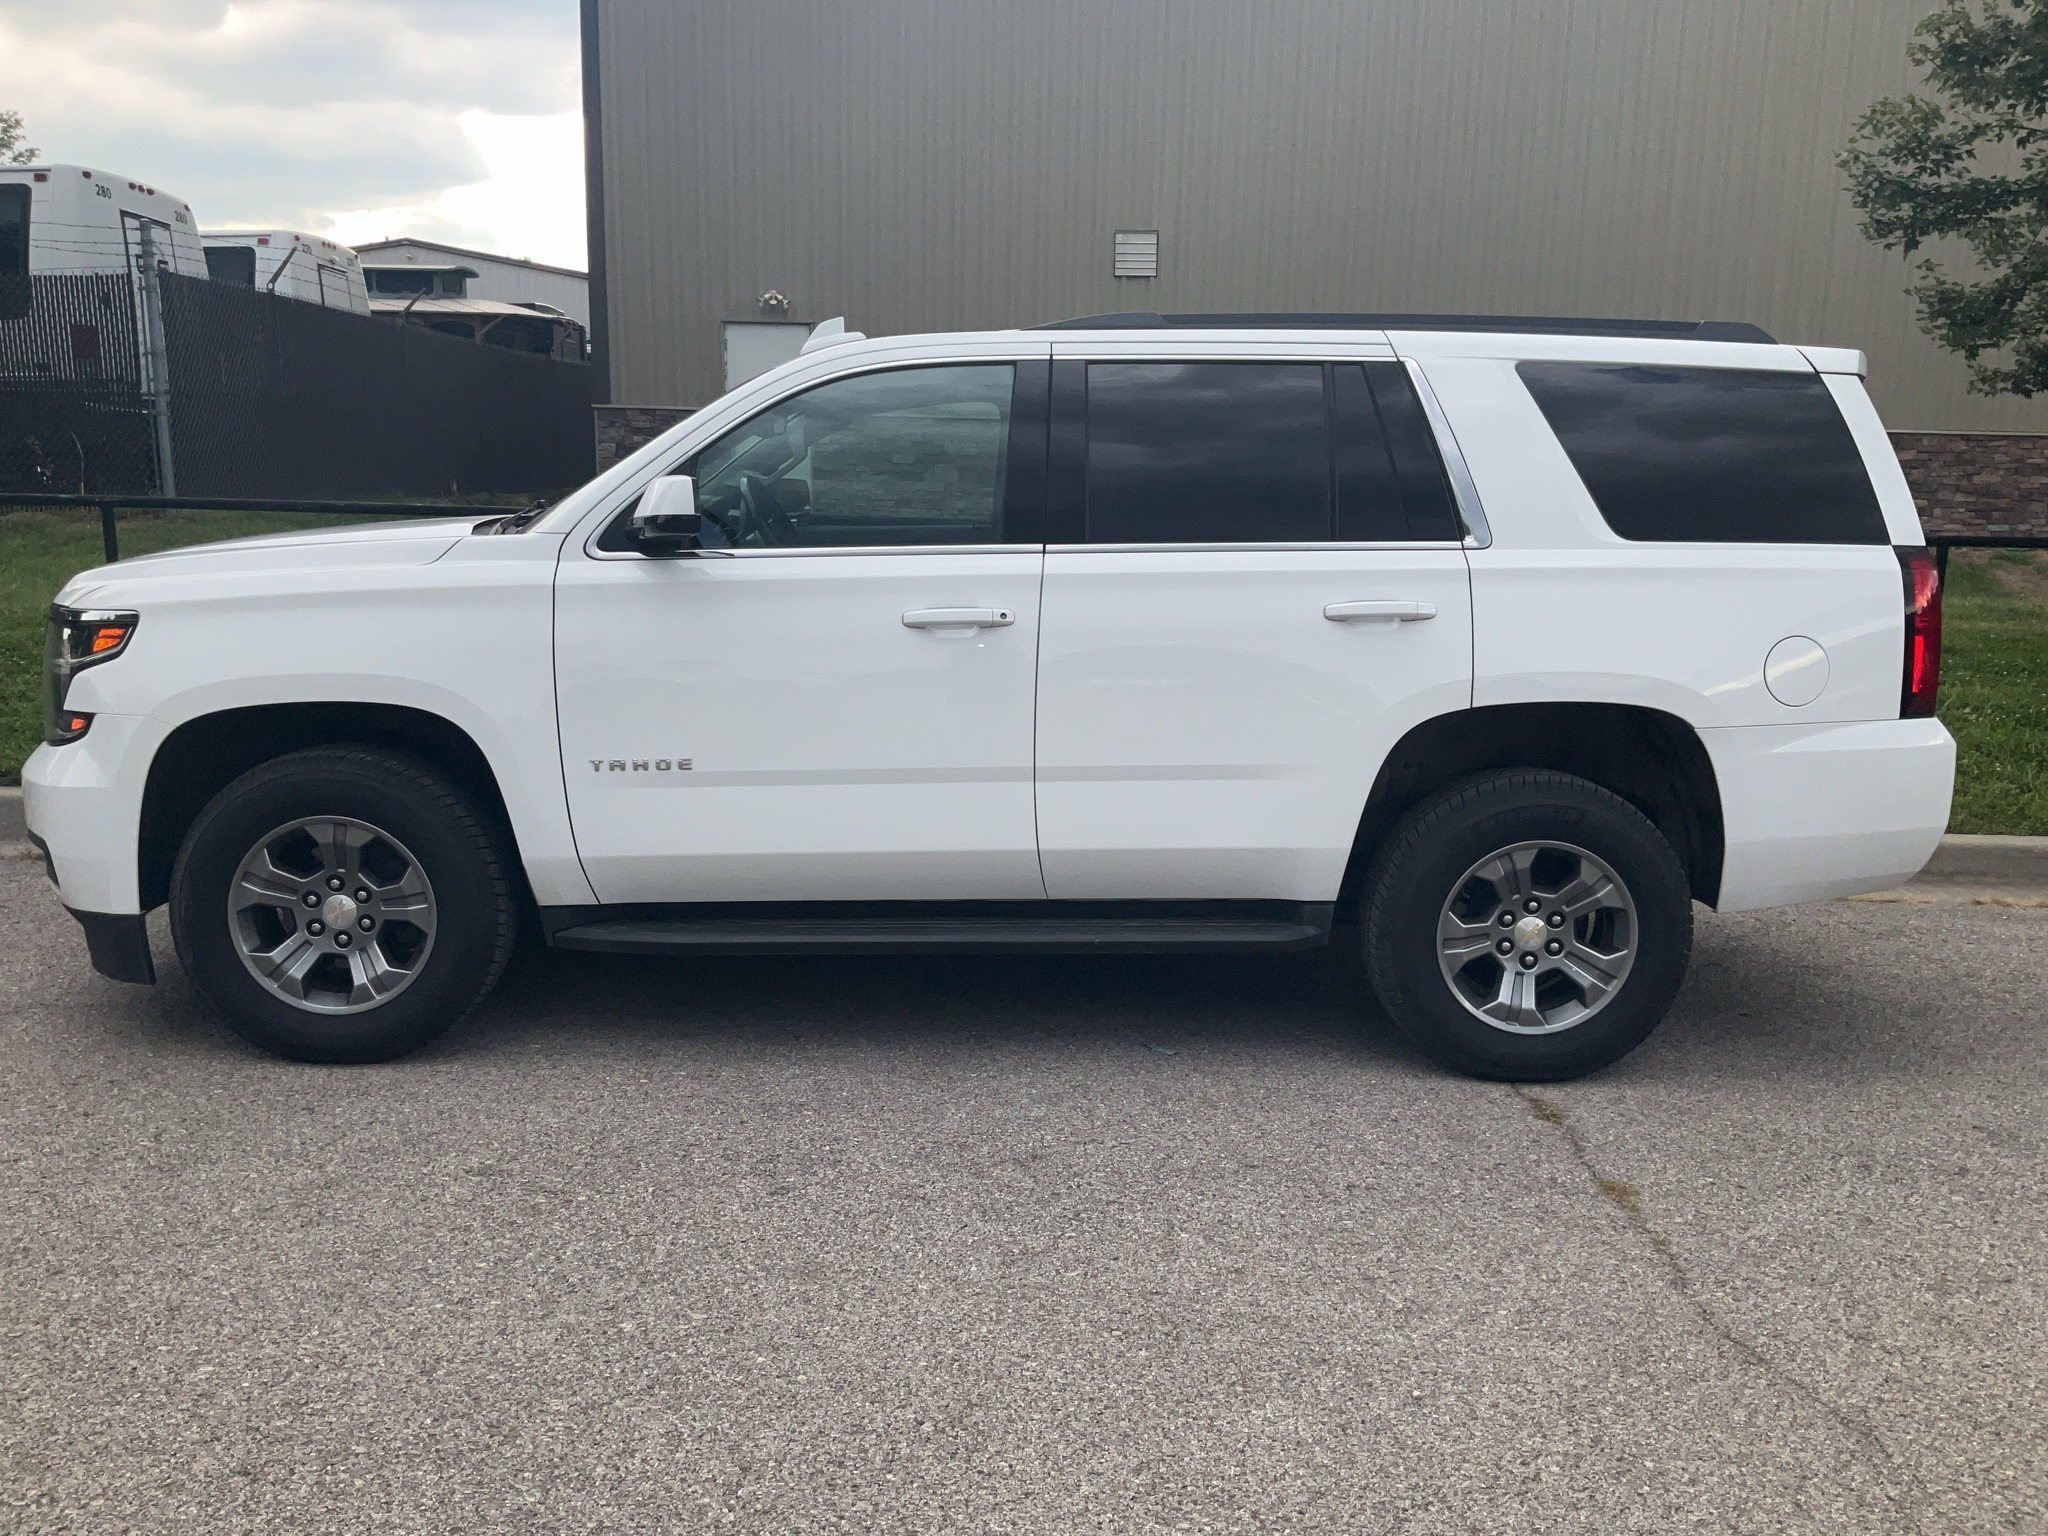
[(666, 521)]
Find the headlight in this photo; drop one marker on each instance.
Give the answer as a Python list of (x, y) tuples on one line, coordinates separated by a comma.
[(77, 638)]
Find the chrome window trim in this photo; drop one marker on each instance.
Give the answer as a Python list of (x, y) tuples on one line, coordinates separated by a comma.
[(1463, 488), (810, 550)]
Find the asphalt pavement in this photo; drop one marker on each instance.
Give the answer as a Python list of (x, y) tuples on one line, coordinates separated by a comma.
[(1036, 1245)]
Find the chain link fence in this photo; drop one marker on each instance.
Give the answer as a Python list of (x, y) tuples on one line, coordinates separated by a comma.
[(274, 397), (73, 417)]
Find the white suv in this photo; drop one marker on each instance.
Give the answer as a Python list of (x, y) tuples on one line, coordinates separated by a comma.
[(1506, 639)]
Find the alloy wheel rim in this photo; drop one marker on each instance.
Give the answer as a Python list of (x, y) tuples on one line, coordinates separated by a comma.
[(331, 914), (1537, 937)]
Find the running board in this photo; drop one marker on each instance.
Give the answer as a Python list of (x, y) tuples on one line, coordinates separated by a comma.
[(1307, 927)]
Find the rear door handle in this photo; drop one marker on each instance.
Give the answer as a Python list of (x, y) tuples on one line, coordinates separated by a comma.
[(958, 618), (1377, 612)]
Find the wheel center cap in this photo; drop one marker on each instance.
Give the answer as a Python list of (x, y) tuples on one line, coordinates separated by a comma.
[(1529, 933), (338, 911)]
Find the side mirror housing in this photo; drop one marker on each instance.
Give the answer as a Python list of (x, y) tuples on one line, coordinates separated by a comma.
[(666, 521)]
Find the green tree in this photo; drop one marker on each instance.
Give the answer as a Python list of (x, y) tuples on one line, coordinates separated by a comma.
[(12, 150), (1968, 161)]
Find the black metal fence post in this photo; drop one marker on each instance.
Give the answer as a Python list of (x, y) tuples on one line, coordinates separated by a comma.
[(109, 536)]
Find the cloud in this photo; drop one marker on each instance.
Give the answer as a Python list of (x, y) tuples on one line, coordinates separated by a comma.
[(455, 115)]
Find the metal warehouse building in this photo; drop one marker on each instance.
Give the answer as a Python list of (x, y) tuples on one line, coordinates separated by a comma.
[(941, 164)]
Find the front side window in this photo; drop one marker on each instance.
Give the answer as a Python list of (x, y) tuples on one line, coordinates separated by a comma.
[(1710, 455), (912, 456)]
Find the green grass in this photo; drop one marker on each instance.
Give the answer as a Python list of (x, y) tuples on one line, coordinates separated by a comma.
[(1994, 689), (1994, 686)]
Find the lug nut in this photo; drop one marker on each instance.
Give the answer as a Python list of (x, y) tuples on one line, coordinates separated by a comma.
[(335, 883), (1528, 960), (1557, 919), (1507, 919), (342, 941), (1555, 946), (1506, 946), (310, 899), (1532, 905), (316, 926), (366, 923), (362, 895)]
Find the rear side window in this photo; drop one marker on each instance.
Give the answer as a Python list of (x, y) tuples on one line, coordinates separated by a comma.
[(1207, 453), (1710, 455), (1266, 453)]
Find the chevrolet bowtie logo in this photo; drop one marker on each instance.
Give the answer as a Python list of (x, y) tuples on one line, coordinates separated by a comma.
[(639, 765)]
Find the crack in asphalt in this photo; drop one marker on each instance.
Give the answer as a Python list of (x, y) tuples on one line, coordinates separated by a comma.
[(1628, 1200)]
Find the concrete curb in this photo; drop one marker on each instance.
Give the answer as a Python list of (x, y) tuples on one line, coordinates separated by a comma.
[(1988, 860)]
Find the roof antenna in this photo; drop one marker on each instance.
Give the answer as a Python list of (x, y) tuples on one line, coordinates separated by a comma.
[(830, 333)]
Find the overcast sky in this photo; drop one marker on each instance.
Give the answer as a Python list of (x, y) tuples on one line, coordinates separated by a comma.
[(457, 120)]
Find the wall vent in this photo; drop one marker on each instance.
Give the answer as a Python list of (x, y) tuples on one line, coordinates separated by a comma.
[(1137, 253)]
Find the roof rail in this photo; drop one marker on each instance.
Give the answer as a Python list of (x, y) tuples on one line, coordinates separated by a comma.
[(1668, 330)]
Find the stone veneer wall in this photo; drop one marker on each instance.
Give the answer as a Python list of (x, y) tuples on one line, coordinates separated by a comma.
[(1977, 482), (624, 429), (1964, 482)]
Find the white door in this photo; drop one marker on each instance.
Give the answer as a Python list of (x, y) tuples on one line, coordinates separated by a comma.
[(1267, 590), (835, 703)]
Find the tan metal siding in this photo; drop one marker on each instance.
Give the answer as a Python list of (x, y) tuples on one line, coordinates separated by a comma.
[(946, 164)]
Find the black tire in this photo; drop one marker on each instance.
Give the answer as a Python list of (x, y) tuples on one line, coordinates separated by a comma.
[(1421, 867), (474, 910)]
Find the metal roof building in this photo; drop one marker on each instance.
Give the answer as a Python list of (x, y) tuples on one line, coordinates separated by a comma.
[(941, 164)]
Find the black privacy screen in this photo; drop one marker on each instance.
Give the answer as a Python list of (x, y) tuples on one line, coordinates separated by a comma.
[(1713, 455)]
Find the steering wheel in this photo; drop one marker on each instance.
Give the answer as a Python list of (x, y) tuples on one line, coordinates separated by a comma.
[(764, 516)]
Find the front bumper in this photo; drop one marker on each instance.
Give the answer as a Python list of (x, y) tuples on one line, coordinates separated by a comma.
[(83, 805), (1812, 812)]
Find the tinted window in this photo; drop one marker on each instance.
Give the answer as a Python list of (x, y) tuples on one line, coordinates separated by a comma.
[(913, 456), (14, 287), (233, 264), (1184, 453), (14, 201), (1721, 455), (1391, 484)]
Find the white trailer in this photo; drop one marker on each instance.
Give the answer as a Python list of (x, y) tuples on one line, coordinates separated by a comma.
[(57, 219), (290, 264)]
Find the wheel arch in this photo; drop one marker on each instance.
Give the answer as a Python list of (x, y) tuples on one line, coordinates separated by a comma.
[(206, 754), (1652, 759)]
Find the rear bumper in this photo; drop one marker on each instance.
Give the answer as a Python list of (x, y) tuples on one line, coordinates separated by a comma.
[(1815, 812)]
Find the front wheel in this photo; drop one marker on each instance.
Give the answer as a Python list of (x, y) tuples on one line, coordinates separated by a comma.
[(341, 905), (1530, 927)]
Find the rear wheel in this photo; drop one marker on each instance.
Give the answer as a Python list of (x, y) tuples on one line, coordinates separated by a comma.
[(1527, 926), (341, 905)]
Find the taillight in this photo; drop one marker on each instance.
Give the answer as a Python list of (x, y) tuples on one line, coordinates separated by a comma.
[(1923, 633)]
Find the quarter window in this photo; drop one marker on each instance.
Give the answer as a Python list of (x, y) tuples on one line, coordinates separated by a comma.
[(1710, 455), (912, 456)]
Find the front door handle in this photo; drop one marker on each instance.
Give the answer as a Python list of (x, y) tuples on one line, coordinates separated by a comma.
[(958, 618), (1378, 612)]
